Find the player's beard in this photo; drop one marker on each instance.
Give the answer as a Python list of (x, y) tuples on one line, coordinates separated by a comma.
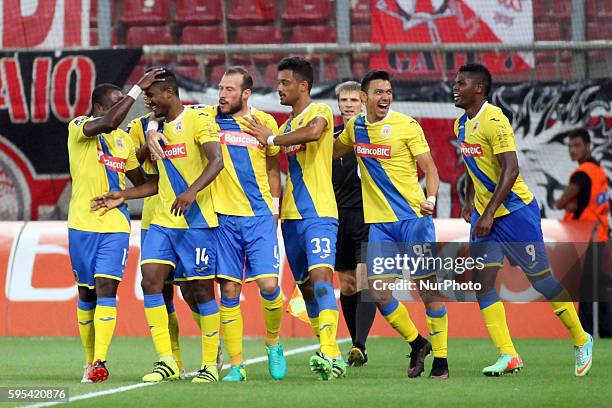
[(235, 108)]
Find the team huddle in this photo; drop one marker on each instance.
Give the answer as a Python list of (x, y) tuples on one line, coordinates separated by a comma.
[(210, 177)]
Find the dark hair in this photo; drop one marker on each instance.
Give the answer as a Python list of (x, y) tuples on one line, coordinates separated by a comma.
[(581, 133), (481, 72), (300, 67), (372, 76), (247, 79), (168, 77), (101, 92)]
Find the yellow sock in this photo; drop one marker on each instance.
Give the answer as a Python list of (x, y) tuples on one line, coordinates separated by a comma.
[(272, 307), (314, 325), (437, 323), (232, 328), (328, 326), (398, 317), (157, 319), (196, 318), (105, 320), (173, 329), (495, 319), (209, 320), (566, 312), (85, 317)]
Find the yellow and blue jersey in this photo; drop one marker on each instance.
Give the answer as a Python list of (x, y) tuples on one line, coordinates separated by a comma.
[(242, 187), (184, 161), (97, 166), (386, 152), (137, 129), (480, 139), (309, 191)]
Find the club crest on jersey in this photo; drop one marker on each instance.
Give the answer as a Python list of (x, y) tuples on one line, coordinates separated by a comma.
[(300, 122), (471, 150), (375, 151), (475, 126), (386, 131), (293, 150), (112, 163), (119, 143), (178, 127), (230, 138)]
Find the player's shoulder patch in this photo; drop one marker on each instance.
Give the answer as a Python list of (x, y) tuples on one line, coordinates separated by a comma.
[(78, 121)]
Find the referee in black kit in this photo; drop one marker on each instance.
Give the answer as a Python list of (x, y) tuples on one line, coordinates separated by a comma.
[(358, 309)]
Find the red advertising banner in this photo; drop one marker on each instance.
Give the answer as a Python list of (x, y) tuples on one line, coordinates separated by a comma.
[(450, 21), (39, 294)]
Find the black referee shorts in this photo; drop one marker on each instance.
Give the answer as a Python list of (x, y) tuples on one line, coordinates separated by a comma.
[(352, 233)]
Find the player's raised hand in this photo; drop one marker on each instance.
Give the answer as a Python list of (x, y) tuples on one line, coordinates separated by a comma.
[(107, 201), (427, 207), (153, 141), (258, 129), (483, 225), (150, 78), (182, 202)]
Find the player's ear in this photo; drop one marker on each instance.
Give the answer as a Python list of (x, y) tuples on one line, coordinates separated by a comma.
[(363, 96), (247, 93)]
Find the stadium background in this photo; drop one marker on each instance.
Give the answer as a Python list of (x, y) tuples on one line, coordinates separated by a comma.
[(550, 61)]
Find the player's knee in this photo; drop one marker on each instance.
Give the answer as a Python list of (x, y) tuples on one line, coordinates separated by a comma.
[(86, 294), (268, 286), (230, 289), (106, 287), (204, 290), (151, 284)]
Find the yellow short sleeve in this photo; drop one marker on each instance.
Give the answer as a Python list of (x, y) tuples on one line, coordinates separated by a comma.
[(206, 131), (501, 136), (415, 138)]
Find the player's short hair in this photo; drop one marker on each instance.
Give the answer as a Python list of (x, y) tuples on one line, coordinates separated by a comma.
[(101, 92), (580, 133), (348, 86), (372, 76), (169, 78), (481, 72), (247, 79), (300, 67)]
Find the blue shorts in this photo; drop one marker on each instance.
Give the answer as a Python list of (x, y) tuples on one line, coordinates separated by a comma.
[(310, 243), (406, 240), (97, 255), (250, 242), (518, 236), (192, 252), (170, 278)]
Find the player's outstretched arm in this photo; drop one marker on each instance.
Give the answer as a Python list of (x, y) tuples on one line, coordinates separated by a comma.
[(468, 207), (340, 149), (115, 115), (212, 151), (309, 133), (114, 199), (509, 172), (432, 181)]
